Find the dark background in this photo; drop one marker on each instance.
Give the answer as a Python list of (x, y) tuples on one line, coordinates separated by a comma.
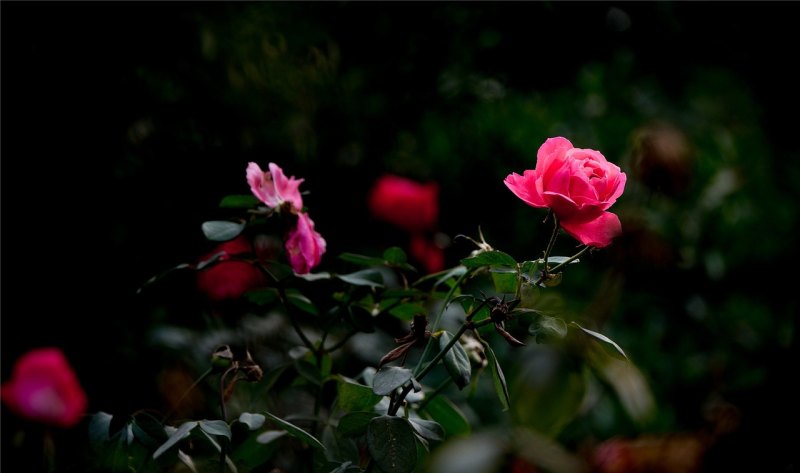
[(123, 125)]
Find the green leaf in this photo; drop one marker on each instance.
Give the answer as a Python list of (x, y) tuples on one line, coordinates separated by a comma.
[(428, 429), (456, 361), (296, 432), (337, 447), (391, 444), (186, 460), (389, 378), (365, 277), (239, 201), (354, 396), (488, 258), (443, 411), (442, 276), (216, 427), (222, 230), (148, 430), (183, 431), (504, 281), (355, 423), (253, 421), (262, 296), (297, 299), (395, 255), (218, 448), (556, 260), (407, 311), (603, 338), (361, 260), (497, 376), (270, 436)]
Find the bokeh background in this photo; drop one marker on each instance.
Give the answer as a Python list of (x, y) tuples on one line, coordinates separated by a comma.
[(124, 124)]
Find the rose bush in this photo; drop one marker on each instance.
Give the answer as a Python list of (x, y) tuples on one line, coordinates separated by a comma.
[(578, 185), (44, 388)]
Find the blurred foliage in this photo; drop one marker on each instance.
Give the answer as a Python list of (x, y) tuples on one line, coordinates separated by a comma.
[(146, 115)]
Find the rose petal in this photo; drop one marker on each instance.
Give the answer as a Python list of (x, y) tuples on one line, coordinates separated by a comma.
[(598, 232), (286, 189), (525, 187), (552, 149), (304, 245)]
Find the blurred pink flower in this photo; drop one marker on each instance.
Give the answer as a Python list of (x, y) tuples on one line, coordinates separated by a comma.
[(43, 387), (426, 252), (226, 279), (304, 245), (274, 188), (405, 203), (578, 185)]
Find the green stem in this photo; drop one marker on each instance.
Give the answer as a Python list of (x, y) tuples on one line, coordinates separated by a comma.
[(447, 298), (447, 382), (296, 326), (551, 243)]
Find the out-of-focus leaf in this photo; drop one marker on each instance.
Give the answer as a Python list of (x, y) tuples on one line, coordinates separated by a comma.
[(354, 396), (308, 371), (297, 299), (99, 426), (355, 423), (456, 361), (407, 311), (270, 436), (218, 448), (186, 460), (395, 255), (183, 431), (361, 260), (390, 441), (338, 448), (216, 427), (556, 260), (253, 421), (222, 230), (239, 201), (315, 276), (480, 452), (498, 378), (443, 411), (428, 429), (296, 432), (488, 258), (442, 276), (148, 430), (365, 277), (547, 326), (262, 296), (603, 338), (389, 378)]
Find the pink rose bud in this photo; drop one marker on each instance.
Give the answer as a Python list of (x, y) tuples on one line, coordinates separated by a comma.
[(43, 387), (304, 246), (412, 206), (578, 185)]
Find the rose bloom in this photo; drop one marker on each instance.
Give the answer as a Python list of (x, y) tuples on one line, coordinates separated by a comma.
[(43, 387), (407, 204), (304, 245), (578, 185), (426, 252), (225, 279), (274, 188)]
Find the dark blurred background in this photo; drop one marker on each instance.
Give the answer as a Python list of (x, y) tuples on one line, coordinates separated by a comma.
[(124, 124)]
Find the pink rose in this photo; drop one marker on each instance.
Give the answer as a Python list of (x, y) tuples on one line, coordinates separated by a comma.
[(43, 387), (274, 188), (405, 203), (229, 279), (304, 245), (578, 185)]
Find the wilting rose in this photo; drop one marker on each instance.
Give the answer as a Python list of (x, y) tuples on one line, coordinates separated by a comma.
[(43, 387), (274, 188), (578, 185), (426, 252), (407, 204), (304, 245), (227, 279)]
